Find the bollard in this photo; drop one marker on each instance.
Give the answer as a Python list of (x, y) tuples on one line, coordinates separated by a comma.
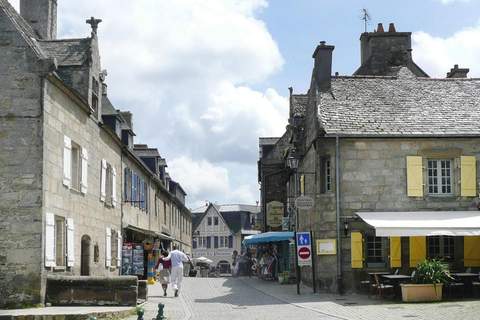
[(160, 312), (140, 313)]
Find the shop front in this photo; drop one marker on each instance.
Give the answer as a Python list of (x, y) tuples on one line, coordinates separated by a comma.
[(141, 249), (273, 254), (397, 241)]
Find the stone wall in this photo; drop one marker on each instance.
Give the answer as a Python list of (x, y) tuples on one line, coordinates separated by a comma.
[(92, 291), (20, 170), (373, 178)]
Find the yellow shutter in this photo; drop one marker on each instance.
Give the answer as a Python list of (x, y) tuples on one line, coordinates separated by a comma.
[(395, 252), (302, 184), (414, 176), (418, 250), (471, 251), (357, 250), (468, 176)]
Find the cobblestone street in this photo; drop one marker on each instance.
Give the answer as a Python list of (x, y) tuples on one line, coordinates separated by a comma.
[(243, 298)]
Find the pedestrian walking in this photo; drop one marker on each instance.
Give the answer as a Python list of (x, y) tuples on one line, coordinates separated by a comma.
[(163, 268), (176, 276)]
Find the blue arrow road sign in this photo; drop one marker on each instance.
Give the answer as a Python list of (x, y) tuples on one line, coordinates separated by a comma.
[(303, 238)]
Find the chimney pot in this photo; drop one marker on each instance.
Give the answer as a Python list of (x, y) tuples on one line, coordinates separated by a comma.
[(391, 28), (380, 28), (323, 66)]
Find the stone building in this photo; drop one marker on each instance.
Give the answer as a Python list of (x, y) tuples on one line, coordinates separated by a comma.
[(218, 230), (389, 155), (64, 150)]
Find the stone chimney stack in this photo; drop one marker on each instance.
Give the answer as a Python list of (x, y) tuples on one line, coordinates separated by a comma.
[(382, 50), (457, 72), (42, 16), (323, 66)]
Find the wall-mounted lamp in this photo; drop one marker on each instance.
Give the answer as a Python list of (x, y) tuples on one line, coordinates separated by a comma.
[(345, 228)]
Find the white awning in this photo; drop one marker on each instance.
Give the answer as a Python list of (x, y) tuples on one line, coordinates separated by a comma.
[(423, 223)]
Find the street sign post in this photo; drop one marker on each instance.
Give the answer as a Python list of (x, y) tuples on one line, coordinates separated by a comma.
[(304, 248)]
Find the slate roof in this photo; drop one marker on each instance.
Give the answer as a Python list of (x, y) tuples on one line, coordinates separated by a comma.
[(403, 105), (142, 150), (299, 104), (69, 52), (23, 27), (236, 216), (107, 107)]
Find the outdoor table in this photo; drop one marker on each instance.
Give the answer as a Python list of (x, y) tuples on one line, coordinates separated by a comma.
[(395, 280), (467, 278)]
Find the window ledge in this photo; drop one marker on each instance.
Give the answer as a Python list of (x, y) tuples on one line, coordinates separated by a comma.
[(58, 269)]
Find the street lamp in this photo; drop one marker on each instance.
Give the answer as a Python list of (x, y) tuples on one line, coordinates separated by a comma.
[(292, 160)]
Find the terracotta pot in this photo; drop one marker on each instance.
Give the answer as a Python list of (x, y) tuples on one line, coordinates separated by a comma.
[(421, 292)]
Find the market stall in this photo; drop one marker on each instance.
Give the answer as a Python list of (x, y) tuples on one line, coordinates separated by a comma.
[(271, 252)]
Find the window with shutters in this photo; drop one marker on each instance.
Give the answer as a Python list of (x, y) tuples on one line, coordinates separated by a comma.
[(209, 221), (375, 251), (114, 247), (76, 166), (215, 221), (440, 177), (441, 247), (60, 241), (165, 213)]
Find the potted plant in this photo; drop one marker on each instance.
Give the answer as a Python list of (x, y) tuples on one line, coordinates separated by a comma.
[(427, 282)]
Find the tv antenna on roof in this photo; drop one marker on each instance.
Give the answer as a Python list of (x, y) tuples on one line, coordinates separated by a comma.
[(365, 17)]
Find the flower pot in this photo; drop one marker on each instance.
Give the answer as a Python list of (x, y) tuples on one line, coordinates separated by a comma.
[(421, 292)]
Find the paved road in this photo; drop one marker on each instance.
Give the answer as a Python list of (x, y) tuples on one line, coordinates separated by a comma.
[(225, 298), (251, 299)]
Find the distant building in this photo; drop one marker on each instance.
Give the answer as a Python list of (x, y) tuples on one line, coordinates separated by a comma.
[(218, 230)]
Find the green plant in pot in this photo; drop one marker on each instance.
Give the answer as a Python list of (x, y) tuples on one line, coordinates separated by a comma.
[(427, 282)]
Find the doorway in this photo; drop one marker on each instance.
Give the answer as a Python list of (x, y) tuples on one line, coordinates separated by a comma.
[(85, 256)]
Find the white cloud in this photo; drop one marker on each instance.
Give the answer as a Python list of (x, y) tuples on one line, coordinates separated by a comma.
[(185, 68), (452, 1), (438, 55)]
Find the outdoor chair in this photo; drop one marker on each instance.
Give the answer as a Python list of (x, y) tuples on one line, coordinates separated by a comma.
[(381, 288), (454, 290), (476, 288), (365, 286)]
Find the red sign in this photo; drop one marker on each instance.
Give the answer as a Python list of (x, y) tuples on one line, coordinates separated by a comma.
[(304, 253)]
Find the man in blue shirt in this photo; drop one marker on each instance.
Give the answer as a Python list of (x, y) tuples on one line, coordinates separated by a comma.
[(177, 258)]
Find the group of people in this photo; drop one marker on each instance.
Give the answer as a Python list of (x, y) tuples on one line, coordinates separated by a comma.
[(169, 268), (264, 264)]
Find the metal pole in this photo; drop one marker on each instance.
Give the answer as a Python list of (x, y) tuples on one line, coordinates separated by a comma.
[(296, 229), (314, 276), (338, 210)]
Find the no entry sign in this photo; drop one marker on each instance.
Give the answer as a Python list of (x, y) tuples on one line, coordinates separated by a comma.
[(304, 248)]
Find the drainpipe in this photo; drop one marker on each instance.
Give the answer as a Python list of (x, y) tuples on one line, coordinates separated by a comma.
[(121, 201), (337, 196)]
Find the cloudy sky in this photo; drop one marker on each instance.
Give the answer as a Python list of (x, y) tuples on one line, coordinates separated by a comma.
[(206, 78)]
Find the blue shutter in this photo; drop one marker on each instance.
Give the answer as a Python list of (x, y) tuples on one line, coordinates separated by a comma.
[(215, 242), (209, 242), (230, 241)]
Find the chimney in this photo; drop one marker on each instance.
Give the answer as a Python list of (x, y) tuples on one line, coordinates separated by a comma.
[(382, 50), (42, 16), (457, 72), (323, 66)]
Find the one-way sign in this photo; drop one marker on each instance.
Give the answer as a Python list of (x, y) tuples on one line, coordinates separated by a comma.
[(304, 248)]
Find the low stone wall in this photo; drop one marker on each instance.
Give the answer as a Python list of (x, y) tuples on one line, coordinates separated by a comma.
[(92, 291)]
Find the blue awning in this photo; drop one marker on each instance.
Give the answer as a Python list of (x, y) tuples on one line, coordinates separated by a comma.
[(268, 237)]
